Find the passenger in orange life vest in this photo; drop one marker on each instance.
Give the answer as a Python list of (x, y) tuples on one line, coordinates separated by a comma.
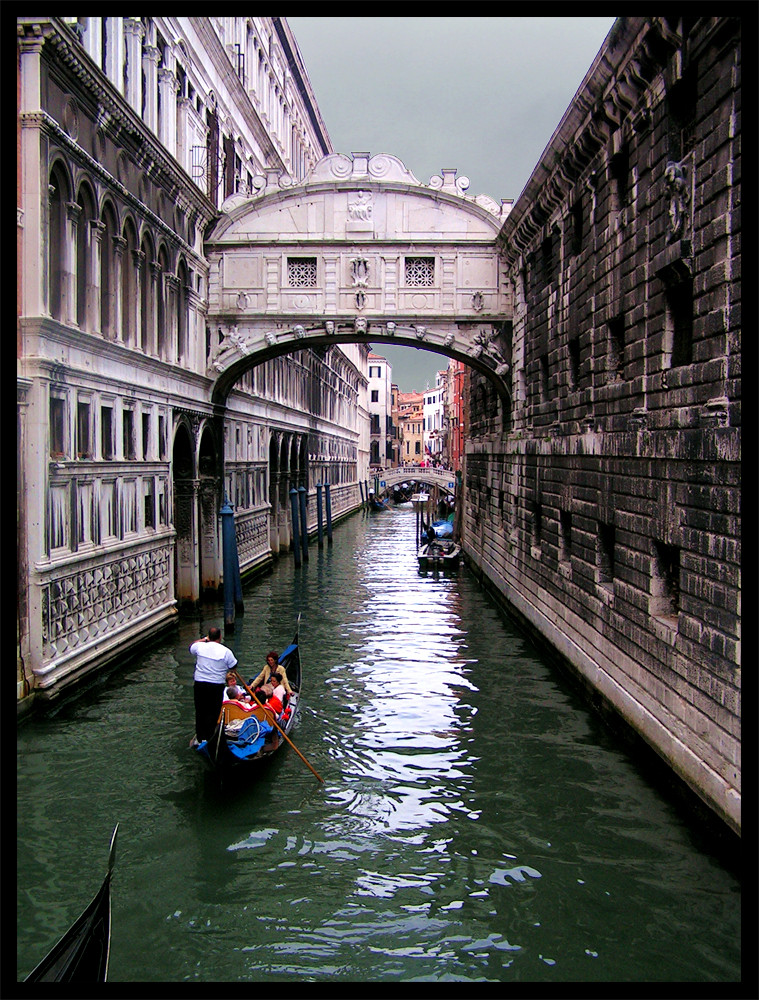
[(273, 697)]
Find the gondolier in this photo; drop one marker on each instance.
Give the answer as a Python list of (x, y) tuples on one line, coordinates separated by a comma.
[(212, 662)]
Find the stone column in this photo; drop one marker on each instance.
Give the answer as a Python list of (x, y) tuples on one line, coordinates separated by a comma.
[(133, 34), (156, 336), (167, 83), (150, 57), (171, 289)]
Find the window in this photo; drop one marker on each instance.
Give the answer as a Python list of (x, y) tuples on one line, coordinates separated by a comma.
[(420, 272), (375, 395), (678, 334), (616, 349), (577, 220), (665, 589), (537, 525), (574, 362), (161, 438), (149, 502), (565, 535), (83, 427), (547, 259), (106, 433), (128, 434), (681, 114), (544, 378), (619, 175), (57, 427), (301, 272), (605, 554), (146, 435)]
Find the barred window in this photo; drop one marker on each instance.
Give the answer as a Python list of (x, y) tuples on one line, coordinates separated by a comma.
[(301, 272), (420, 271)]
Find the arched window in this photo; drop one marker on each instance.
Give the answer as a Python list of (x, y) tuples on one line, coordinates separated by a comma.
[(129, 285), (182, 311), (59, 196), (108, 273), (84, 257), (161, 293), (147, 301)]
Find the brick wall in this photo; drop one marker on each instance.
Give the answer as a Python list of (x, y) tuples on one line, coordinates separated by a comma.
[(605, 506)]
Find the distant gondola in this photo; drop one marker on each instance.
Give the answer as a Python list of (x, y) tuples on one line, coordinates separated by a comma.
[(375, 503), (246, 737), (81, 955)]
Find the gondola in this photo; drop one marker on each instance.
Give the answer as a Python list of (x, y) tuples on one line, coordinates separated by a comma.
[(377, 504), (440, 553), (81, 955), (246, 737)]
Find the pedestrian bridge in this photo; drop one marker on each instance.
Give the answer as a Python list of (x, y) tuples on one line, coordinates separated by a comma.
[(444, 478), (359, 252)]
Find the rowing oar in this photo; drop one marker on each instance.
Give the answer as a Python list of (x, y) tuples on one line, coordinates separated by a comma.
[(260, 705)]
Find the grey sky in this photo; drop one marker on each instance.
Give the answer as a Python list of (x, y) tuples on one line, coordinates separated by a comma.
[(481, 94)]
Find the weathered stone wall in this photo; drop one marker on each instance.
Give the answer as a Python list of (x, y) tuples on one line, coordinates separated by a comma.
[(605, 506)]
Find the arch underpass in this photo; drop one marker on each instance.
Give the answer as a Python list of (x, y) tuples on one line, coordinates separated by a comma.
[(360, 252)]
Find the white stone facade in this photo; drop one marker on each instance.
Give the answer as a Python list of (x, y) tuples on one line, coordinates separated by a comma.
[(132, 132)]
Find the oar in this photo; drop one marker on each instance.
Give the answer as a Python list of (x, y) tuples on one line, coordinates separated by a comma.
[(260, 705)]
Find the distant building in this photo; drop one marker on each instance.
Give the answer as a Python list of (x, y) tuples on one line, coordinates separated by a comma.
[(434, 423), (411, 426), (380, 406)]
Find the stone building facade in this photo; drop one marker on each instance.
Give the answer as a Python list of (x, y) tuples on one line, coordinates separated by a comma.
[(603, 504), (133, 136)]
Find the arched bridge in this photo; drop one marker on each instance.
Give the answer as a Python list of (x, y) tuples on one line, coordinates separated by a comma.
[(360, 252), (444, 478)]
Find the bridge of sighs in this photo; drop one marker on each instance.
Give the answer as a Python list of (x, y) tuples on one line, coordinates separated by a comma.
[(360, 252)]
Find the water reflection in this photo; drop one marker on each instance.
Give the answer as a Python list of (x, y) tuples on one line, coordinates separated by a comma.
[(476, 822)]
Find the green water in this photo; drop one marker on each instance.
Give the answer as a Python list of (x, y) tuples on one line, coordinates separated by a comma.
[(476, 822)]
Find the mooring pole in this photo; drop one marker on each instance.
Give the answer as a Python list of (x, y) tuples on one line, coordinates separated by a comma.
[(296, 533), (229, 563), (361, 489), (319, 516), (304, 521), (328, 504)]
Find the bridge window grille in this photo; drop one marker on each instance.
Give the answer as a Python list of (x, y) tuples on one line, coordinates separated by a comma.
[(420, 271), (301, 272)]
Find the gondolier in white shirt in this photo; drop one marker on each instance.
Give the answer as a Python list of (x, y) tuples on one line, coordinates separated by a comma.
[(212, 661)]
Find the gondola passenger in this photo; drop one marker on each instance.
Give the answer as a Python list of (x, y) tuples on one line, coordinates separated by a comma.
[(272, 666)]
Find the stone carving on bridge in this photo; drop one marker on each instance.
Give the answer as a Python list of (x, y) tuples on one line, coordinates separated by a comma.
[(359, 272), (478, 301), (390, 329), (360, 324), (361, 208), (299, 331), (485, 350), (420, 331)]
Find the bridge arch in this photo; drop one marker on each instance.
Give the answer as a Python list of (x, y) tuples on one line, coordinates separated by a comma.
[(359, 252)]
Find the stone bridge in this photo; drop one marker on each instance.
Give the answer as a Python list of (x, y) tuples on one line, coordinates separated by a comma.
[(360, 252), (444, 478)]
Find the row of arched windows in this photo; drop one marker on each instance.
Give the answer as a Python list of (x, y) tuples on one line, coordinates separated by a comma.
[(114, 278)]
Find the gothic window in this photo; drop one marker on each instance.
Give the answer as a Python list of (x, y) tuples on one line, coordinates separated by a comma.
[(83, 252), (182, 311), (129, 505), (108, 509), (129, 285), (59, 518), (420, 272), (161, 293), (107, 273), (57, 242), (301, 272)]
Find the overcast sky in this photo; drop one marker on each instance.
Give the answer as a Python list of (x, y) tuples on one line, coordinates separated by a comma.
[(481, 94)]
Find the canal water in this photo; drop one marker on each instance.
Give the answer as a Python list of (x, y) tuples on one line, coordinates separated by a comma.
[(476, 821)]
